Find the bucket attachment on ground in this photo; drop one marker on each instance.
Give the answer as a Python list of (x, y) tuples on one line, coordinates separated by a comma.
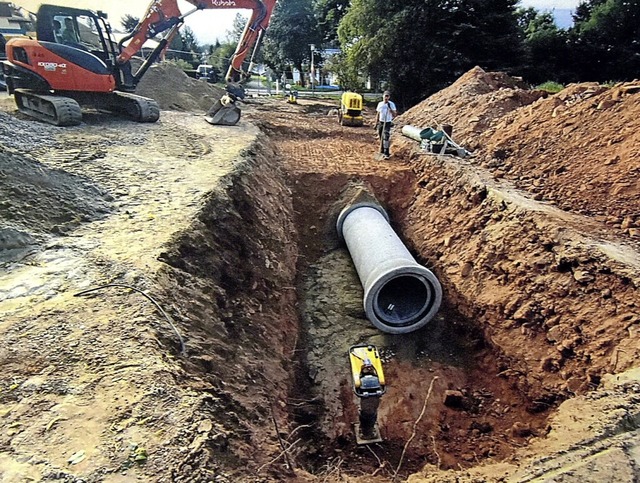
[(369, 385), (223, 113)]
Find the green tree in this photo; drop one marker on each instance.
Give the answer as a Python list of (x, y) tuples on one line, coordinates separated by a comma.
[(584, 9), (190, 47), (184, 46), (129, 23), (421, 46), (189, 41), (176, 48), (524, 16), (235, 34), (349, 76), (292, 29), (487, 34), (220, 58), (329, 14), (546, 51), (605, 41)]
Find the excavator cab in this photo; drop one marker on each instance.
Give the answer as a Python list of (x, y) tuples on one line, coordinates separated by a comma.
[(77, 33)]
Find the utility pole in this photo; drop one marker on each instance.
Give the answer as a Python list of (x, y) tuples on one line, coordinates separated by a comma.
[(312, 77)]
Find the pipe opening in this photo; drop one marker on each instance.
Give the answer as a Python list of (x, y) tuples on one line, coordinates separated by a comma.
[(403, 300)]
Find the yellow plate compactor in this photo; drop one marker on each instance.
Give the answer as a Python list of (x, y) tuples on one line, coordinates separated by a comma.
[(369, 385)]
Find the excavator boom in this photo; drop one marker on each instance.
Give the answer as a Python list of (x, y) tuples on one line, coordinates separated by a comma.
[(165, 15)]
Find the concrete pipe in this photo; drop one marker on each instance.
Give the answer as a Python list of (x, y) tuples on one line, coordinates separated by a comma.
[(400, 295), (412, 132), (419, 134)]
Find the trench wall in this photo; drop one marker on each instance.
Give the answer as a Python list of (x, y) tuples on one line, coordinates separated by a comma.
[(558, 303), (229, 278)]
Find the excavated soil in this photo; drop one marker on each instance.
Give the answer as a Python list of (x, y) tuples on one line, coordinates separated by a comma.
[(176, 304)]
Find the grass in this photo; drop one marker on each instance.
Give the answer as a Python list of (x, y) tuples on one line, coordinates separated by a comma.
[(550, 87)]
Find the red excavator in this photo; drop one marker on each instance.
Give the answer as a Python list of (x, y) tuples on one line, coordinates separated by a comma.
[(75, 61)]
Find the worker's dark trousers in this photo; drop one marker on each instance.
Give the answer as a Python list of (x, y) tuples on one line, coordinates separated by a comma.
[(368, 415), (384, 134)]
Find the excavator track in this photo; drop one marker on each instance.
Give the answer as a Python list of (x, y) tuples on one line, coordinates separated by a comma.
[(56, 110), (65, 111), (137, 108)]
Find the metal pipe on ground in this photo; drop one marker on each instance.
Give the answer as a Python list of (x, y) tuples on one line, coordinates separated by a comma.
[(400, 295)]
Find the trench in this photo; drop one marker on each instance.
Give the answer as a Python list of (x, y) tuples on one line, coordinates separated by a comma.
[(273, 302), (444, 405), (268, 301)]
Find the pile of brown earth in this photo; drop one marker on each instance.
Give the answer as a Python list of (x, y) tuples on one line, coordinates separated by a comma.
[(578, 149), (536, 237), (175, 90)]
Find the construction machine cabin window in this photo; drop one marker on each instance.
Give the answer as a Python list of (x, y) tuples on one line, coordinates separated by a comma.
[(80, 30)]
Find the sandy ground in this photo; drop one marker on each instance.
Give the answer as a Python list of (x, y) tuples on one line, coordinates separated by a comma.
[(230, 365)]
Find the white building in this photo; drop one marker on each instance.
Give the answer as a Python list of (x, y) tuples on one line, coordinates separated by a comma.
[(14, 21)]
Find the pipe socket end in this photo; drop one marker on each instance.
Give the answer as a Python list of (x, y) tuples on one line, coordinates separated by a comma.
[(349, 209), (403, 300)]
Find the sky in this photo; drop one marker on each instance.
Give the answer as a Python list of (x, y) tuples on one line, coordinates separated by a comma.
[(208, 25), (550, 4), (211, 25)]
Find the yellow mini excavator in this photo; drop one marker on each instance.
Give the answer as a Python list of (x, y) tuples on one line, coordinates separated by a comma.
[(350, 113)]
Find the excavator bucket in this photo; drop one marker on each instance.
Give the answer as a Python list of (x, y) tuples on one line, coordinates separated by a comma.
[(223, 115)]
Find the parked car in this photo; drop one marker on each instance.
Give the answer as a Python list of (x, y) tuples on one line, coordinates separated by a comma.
[(206, 71)]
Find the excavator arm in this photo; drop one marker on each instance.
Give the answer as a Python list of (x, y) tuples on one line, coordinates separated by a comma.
[(250, 39), (164, 17)]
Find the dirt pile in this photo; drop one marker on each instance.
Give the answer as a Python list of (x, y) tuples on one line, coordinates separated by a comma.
[(175, 90), (471, 104), (37, 210), (535, 238), (578, 150), (573, 156)]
